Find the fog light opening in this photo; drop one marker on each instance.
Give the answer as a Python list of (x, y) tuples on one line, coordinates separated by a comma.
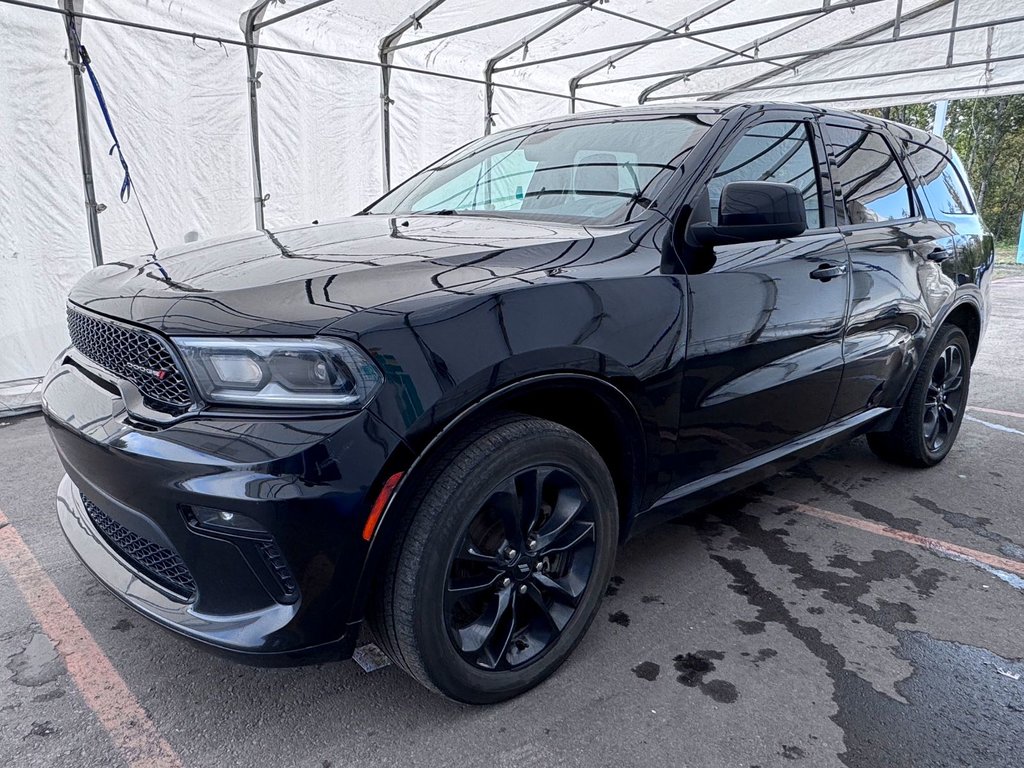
[(225, 521)]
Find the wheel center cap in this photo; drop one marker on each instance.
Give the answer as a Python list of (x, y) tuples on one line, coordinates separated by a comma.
[(520, 569)]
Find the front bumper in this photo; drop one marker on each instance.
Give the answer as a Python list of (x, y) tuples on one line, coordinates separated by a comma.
[(131, 490)]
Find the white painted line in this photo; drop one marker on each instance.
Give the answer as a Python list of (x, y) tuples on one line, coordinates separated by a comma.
[(997, 427)]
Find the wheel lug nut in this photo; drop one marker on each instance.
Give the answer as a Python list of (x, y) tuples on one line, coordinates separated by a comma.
[(506, 581), (522, 589), (539, 567), (511, 554)]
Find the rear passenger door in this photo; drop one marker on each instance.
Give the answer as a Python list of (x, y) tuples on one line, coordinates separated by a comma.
[(764, 354), (897, 284)]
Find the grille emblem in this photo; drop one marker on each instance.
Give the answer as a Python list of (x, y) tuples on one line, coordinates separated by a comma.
[(157, 373)]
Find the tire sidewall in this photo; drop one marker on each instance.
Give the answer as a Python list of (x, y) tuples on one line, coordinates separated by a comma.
[(442, 664)]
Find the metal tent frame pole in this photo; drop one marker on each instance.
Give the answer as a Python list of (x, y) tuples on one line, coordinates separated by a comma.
[(770, 86), (727, 59), (576, 82), (523, 43), (489, 23), (684, 25), (84, 148), (811, 55), (892, 98), (752, 22), (386, 51), (893, 24), (252, 22), (248, 23)]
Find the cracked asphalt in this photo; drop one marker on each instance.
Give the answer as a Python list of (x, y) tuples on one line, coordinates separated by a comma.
[(749, 634)]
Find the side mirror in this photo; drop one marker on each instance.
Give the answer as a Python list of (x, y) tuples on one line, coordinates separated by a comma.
[(748, 211)]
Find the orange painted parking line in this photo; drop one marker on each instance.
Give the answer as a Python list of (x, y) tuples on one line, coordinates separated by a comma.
[(995, 412), (106, 693), (936, 545)]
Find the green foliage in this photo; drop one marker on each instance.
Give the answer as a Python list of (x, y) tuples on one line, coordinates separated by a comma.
[(988, 134)]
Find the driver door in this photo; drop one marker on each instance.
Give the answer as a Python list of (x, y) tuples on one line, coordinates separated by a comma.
[(765, 348)]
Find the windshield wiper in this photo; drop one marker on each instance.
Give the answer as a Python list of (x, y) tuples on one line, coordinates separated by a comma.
[(440, 212)]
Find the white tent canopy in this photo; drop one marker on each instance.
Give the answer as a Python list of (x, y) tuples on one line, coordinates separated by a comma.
[(344, 96)]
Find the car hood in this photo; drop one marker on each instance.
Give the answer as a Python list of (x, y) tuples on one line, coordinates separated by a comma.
[(300, 280)]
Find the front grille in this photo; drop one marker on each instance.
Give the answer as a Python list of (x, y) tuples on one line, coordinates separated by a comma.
[(161, 565), (134, 355)]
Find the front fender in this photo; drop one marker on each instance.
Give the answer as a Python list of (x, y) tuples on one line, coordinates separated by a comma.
[(437, 359)]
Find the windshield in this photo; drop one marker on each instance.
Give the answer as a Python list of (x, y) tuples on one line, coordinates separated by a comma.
[(599, 172)]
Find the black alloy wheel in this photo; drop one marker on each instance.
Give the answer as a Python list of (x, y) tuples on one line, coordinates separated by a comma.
[(944, 399), (929, 420), (502, 562), (524, 561)]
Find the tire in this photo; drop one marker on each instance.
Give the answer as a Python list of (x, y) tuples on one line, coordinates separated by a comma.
[(934, 407), (466, 504)]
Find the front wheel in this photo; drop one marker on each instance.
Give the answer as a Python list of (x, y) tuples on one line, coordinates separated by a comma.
[(930, 419), (503, 563)]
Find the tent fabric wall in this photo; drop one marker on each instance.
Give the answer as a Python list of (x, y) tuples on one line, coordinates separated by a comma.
[(181, 109), (43, 242)]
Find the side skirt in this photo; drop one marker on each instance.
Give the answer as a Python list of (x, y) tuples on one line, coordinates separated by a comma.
[(739, 476)]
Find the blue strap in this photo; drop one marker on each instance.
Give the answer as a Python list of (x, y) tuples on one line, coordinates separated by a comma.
[(126, 185)]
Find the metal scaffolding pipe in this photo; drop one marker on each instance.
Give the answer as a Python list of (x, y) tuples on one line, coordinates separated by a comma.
[(84, 148)]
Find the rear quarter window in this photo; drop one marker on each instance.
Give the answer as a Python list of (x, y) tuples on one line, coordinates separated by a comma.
[(941, 181)]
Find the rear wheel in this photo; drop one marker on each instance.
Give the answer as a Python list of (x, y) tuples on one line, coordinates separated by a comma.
[(503, 563), (930, 419)]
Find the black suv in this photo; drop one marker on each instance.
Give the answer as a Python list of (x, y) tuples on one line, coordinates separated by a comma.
[(442, 415)]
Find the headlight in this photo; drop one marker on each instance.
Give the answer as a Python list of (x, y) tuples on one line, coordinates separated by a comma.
[(325, 373)]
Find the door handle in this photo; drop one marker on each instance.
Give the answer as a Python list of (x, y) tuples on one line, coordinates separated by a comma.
[(827, 271), (939, 255)]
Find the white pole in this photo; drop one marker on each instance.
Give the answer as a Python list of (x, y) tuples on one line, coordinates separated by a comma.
[(939, 126)]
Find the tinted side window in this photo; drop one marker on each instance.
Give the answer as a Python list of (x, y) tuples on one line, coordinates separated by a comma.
[(779, 152), (873, 184), (943, 186)]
